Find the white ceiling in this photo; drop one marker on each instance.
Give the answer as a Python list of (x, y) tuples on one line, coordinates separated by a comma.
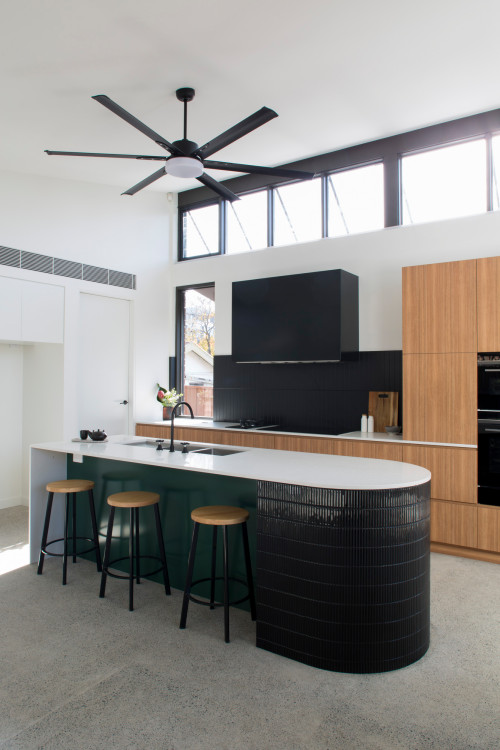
[(338, 72)]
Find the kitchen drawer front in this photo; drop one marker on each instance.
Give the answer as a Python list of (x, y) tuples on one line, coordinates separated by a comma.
[(181, 433), (488, 529), (453, 470), (372, 449), (454, 523), (244, 438), (304, 444)]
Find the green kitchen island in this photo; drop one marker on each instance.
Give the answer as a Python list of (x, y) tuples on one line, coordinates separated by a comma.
[(340, 545)]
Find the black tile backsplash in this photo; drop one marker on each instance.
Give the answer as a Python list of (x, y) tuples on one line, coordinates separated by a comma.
[(318, 398)]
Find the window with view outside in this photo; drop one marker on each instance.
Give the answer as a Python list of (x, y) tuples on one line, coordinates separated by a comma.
[(495, 153), (200, 231), (247, 223), (297, 212), (444, 183), (356, 200), (197, 355)]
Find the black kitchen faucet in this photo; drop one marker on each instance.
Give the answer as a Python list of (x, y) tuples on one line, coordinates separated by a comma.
[(181, 403)]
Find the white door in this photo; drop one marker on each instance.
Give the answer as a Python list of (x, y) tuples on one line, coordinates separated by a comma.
[(103, 366)]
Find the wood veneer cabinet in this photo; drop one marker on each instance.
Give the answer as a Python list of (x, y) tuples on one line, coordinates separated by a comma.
[(200, 435), (453, 470), (304, 444), (488, 305), (440, 397), (488, 528), (372, 449), (454, 523), (439, 308)]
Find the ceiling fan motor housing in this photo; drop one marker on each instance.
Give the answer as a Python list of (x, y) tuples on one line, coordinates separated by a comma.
[(187, 147)]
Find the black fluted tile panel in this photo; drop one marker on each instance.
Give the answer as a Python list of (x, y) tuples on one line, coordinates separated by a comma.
[(343, 576), (322, 398)]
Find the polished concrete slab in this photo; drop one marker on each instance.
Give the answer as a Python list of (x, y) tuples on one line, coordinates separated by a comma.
[(81, 672)]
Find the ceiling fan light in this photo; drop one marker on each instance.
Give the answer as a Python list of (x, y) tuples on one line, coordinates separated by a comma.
[(184, 166)]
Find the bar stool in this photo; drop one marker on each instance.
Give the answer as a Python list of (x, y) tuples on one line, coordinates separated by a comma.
[(225, 516), (69, 486), (134, 500)]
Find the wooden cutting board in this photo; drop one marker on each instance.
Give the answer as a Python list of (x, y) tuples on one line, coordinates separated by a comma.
[(383, 406)]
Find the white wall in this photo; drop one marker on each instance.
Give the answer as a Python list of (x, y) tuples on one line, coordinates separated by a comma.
[(94, 224), (42, 400), (11, 417), (376, 257)]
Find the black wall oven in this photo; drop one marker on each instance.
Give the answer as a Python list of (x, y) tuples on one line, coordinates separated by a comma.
[(488, 402)]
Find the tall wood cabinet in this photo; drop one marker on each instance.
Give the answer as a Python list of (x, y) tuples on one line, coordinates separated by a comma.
[(450, 312), (488, 305), (440, 352)]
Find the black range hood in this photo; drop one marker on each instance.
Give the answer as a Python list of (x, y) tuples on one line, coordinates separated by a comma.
[(309, 317)]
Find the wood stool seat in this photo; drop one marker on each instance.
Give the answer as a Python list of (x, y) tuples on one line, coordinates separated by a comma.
[(69, 487), (215, 516), (134, 500), (220, 515)]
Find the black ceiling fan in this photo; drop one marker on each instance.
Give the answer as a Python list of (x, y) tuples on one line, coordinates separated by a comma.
[(186, 158)]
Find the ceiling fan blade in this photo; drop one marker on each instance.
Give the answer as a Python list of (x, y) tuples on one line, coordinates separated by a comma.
[(237, 131), (117, 110), (251, 169), (144, 183), (218, 188), (108, 156)]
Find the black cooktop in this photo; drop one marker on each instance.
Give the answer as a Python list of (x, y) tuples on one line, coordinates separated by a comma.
[(251, 424)]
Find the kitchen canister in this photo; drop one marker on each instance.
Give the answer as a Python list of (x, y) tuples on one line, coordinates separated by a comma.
[(364, 423), (371, 423)]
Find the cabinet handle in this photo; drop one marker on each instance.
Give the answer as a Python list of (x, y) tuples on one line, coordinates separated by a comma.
[(490, 429)]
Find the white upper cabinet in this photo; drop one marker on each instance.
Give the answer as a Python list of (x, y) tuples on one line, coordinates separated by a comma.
[(10, 309), (31, 312)]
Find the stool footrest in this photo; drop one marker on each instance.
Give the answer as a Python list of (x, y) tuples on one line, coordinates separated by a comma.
[(73, 552), (218, 604), (126, 577)]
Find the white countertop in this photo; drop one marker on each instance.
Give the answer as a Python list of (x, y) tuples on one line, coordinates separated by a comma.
[(288, 467), (208, 424)]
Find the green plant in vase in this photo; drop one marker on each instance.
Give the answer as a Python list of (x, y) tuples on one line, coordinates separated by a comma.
[(168, 399)]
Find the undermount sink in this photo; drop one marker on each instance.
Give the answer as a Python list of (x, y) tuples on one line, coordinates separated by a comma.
[(216, 451), (179, 448)]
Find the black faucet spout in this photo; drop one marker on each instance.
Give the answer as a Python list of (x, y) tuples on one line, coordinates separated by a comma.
[(172, 419)]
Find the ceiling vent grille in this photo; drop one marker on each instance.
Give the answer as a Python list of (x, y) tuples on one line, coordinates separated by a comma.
[(9, 256)]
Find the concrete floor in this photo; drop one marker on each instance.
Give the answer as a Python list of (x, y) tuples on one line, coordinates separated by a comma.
[(81, 673)]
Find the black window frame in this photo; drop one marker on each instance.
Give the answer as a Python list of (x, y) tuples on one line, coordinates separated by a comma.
[(386, 150), (179, 329)]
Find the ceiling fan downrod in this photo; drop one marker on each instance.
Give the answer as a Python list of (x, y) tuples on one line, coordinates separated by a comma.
[(185, 95)]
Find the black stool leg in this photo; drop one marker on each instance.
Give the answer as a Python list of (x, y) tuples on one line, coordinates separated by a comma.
[(248, 564), (107, 550), (137, 548), (189, 577), (74, 526), (226, 588), (65, 546), (94, 531), (45, 533), (161, 545), (131, 563), (214, 565)]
